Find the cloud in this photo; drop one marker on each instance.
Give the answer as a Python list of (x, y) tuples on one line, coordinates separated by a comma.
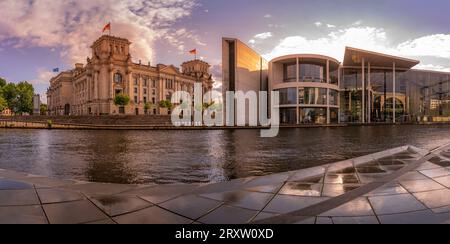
[(252, 41), (318, 24), (368, 38), (263, 36), (432, 67), (331, 26), (268, 16), (72, 25)]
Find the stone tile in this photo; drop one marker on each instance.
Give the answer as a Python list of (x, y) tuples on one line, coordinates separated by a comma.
[(269, 180), (100, 188), (311, 175), (102, 222), (285, 204), (266, 189), (228, 186), (440, 161), (14, 185), (58, 195), (152, 215), (191, 206), (22, 215), (18, 197), (341, 179), (324, 221), (73, 212), (44, 182), (263, 216), (434, 199), (414, 175), (445, 181), (301, 189), (229, 215), (371, 170), (394, 189), (118, 205), (334, 190), (308, 221), (369, 178), (445, 209), (434, 173), (365, 220), (421, 185), (357, 207), (420, 217), (394, 204), (243, 199), (158, 199), (427, 165)]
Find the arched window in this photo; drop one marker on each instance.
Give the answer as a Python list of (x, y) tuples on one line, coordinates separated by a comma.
[(117, 78)]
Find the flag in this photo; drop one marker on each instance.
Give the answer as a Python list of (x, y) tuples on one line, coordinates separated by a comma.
[(56, 70), (107, 27), (193, 52)]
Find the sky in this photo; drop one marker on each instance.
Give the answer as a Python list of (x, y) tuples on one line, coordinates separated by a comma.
[(37, 36)]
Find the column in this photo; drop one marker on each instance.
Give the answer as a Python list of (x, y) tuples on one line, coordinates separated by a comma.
[(363, 91), (328, 93), (369, 97), (394, 92), (298, 87), (141, 83)]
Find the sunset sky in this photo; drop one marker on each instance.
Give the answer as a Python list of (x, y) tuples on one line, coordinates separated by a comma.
[(39, 35)]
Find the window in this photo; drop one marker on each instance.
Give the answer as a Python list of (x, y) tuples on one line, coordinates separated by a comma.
[(153, 92), (334, 96), (288, 116), (117, 78), (145, 91), (153, 100), (136, 90), (135, 99), (145, 99), (154, 83), (288, 96), (313, 116), (312, 73), (312, 96), (290, 73), (145, 81), (136, 81)]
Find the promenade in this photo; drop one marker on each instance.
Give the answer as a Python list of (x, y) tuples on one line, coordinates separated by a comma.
[(402, 185)]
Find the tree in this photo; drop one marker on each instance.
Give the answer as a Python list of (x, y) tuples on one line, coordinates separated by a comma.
[(2, 82), (122, 100), (148, 106), (25, 93), (165, 104), (44, 109), (9, 93), (3, 104)]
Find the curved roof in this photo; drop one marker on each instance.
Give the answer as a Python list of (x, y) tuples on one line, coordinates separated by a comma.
[(312, 56)]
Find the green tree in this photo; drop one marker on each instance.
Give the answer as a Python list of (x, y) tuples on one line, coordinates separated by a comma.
[(122, 100), (3, 104), (44, 109), (165, 104), (2, 82), (9, 93), (25, 93)]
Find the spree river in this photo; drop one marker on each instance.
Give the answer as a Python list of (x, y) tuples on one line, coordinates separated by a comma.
[(165, 157)]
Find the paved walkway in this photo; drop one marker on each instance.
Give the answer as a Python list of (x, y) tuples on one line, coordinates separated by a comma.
[(402, 185)]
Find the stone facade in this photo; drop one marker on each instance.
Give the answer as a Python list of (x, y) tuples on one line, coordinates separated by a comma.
[(90, 89)]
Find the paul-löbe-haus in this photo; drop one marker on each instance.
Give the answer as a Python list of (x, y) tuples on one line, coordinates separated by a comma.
[(367, 87), (90, 89)]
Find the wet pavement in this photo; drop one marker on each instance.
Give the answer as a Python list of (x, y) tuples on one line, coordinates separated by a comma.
[(401, 185)]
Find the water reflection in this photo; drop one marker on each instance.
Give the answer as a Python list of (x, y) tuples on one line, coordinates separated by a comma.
[(165, 157)]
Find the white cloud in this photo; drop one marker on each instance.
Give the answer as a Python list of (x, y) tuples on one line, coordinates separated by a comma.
[(43, 76), (252, 41), (72, 25), (432, 67), (267, 16), (318, 24), (368, 38), (263, 36), (357, 23), (331, 26), (432, 45)]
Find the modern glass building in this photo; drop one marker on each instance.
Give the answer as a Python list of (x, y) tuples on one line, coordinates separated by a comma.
[(366, 87)]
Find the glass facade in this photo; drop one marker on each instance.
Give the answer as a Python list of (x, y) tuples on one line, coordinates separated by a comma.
[(312, 73), (288, 96), (420, 96), (288, 116), (313, 115)]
